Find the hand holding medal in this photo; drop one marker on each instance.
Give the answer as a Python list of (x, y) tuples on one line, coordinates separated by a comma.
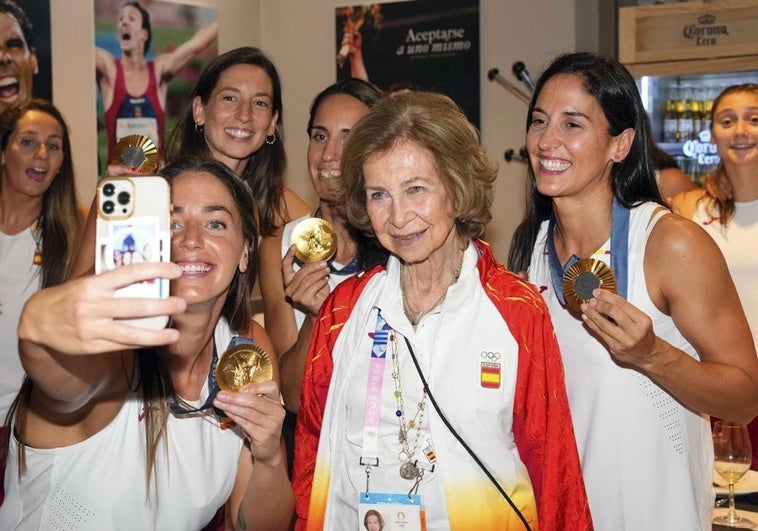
[(136, 151), (582, 278), (315, 239), (241, 365)]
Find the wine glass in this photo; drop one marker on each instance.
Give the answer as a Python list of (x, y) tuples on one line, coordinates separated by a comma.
[(733, 454)]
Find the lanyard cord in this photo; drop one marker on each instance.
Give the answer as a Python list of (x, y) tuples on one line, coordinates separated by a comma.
[(460, 439)]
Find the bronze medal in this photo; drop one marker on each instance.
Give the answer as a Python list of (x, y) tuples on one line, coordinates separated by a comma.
[(137, 151), (241, 365), (315, 239), (582, 278)]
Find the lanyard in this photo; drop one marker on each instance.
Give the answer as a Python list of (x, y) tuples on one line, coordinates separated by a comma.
[(349, 269), (619, 252), (378, 359)]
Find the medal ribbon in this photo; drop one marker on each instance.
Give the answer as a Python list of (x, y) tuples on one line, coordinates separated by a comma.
[(348, 269), (619, 252), (375, 380), (178, 409)]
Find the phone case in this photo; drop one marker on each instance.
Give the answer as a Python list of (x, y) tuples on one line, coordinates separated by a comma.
[(133, 217)]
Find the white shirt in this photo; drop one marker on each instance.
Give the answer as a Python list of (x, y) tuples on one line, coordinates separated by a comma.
[(647, 461), (19, 280), (737, 242), (100, 483)]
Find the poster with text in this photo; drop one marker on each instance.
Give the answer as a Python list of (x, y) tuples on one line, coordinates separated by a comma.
[(148, 56), (422, 44)]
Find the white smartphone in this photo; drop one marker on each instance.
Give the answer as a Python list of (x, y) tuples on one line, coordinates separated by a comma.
[(133, 217)]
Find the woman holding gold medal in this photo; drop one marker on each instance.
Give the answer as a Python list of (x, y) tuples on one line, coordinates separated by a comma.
[(433, 387), (297, 277), (119, 429), (651, 330)]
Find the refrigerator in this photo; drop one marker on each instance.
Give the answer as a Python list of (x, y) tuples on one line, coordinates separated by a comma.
[(682, 55)]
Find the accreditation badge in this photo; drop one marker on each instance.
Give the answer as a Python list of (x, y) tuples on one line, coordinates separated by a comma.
[(390, 511)]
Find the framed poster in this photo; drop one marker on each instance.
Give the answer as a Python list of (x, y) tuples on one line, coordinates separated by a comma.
[(413, 45), (148, 56)]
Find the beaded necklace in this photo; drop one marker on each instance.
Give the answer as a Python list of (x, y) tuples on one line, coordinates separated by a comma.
[(408, 470)]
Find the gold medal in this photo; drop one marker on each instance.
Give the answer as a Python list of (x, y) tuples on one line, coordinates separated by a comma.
[(241, 365), (583, 277), (138, 152), (315, 239)]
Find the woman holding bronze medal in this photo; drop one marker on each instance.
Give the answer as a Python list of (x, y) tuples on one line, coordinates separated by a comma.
[(125, 427), (651, 331), (430, 380)]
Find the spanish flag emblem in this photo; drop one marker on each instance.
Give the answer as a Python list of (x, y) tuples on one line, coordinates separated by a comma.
[(490, 375)]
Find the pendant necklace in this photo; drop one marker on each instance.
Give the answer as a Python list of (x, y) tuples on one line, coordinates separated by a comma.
[(408, 469), (37, 235), (415, 316)]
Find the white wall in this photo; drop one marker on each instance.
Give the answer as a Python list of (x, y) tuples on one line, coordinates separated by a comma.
[(299, 37)]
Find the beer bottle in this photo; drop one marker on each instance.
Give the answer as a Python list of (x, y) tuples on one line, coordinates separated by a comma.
[(686, 122), (697, 117), (707, 110), (670, 121)]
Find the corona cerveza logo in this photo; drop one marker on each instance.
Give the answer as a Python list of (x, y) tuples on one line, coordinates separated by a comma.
[(706, 30), (701, 149)]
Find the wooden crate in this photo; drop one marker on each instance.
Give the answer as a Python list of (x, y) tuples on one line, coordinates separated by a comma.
[(720, 34)]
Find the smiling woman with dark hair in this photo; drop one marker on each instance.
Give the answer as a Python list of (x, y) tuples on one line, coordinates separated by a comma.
[(171, 447), (661, 342)]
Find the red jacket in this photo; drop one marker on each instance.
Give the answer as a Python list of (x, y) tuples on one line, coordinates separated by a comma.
[(542, 423)]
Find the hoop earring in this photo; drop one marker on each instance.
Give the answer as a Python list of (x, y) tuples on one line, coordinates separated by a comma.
[(270, 139), (199, 128)]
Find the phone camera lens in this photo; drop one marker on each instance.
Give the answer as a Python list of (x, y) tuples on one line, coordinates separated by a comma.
[(108, 207), (108, 189), (123, 198)]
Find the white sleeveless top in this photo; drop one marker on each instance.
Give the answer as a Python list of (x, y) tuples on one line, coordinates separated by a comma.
[(19, 280), (100, 483), (647, 461), (737, 242), (334, 279)]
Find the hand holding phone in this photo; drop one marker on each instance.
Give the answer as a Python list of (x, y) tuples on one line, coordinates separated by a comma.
[(133, 217)]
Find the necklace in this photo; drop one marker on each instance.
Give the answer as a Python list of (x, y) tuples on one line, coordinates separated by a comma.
[(37, 235), (408, 469), (415, 316)]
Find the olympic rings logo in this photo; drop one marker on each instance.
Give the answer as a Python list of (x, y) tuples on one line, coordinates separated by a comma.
[(492, 356)]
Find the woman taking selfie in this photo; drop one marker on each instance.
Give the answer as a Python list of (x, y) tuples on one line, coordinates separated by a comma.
[(170, 447)]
